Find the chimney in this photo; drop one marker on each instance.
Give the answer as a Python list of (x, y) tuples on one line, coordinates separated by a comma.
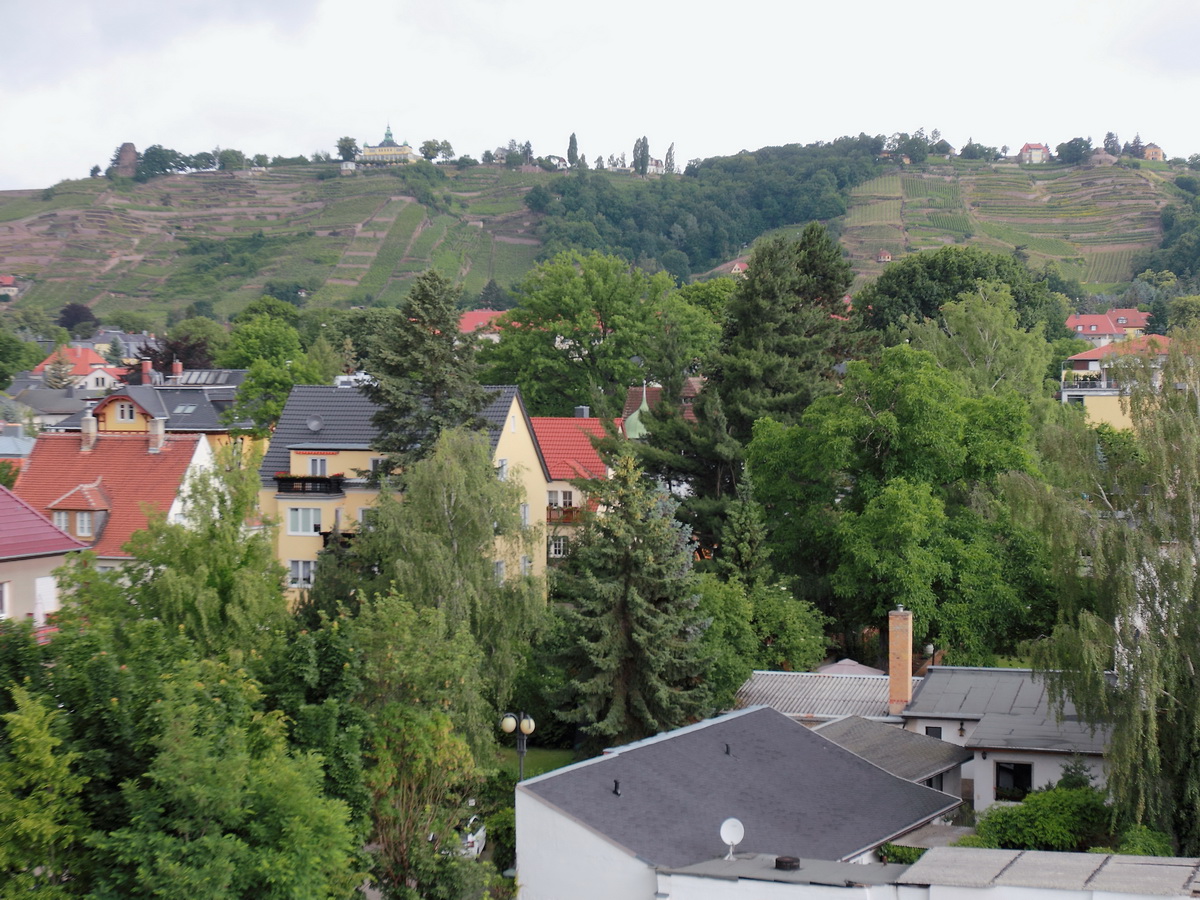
[(899, 659), (176, 368), (158, 434), (583, 412), (146, 377), (14, 430), (88, 429)]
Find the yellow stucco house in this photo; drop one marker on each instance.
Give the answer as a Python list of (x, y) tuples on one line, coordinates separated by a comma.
[(1092, 383), (311, 486)]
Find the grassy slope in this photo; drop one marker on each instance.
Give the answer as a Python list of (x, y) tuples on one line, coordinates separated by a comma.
[(1088, 221), (360, 238)]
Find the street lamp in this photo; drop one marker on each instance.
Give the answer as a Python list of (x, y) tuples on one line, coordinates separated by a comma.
[(523, 725)]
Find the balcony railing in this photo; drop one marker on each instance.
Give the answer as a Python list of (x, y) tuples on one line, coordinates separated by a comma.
[(1091, 384), (309, 484), (564, 515)]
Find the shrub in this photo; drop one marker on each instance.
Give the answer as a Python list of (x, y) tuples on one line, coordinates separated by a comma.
[(502, 835), (1058, 819)]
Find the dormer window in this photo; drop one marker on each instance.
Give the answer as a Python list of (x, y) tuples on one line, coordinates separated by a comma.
[(126, 412), (1121, 320), (83, 523), (1091, 328), (1079, 328), (62, 520)]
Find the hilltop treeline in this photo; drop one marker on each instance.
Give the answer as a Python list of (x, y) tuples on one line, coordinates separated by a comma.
[(691, 223)]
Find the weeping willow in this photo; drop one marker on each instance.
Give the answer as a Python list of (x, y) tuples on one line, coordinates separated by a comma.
[(1123, 522)]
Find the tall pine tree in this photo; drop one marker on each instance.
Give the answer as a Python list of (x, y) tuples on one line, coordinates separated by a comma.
[(423, 375), (785, 330), (635, 662)]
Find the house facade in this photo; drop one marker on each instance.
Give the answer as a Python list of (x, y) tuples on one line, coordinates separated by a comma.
[(1034, 153), (1090, 381), (566, 445), (388, 151), (315, 473), (31, 548)]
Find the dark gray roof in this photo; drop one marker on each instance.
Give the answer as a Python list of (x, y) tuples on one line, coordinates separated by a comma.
[(187, 410), (907, 755), (56, 401), (997, 731), (959, 692), (795, 793), (193, 378), (340, 419), (814, 695), (1093, 873)]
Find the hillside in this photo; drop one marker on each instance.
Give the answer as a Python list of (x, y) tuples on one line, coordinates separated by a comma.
[(1090, 221), (221, 236), (359, 240)]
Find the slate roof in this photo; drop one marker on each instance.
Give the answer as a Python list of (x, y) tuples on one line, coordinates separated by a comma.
[(121, 466), (25, 532), (339, 417), (906, 754), (815, 696), (56, 401), (1095, 873), (795, 793), (1010, 706), (186, 409), (567, 447)]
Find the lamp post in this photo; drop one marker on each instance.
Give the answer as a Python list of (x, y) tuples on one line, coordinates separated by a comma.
[(523, 725)]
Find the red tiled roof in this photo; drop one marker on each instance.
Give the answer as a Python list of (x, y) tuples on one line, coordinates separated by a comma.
[(25, 532), (83, 496), (1082, 324), (1134, 318), (477, 319), (633, 397), (82, 359), (133, 478), (7, 280), (1141, 344), (567, 447)]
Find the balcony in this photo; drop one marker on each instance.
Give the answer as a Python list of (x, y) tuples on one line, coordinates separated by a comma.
[(308, 484), (564, 515), (1099, 382)]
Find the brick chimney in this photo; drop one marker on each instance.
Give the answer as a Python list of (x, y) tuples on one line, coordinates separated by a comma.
[(176, 368), (900, 627), (146, 377), (89, 428)]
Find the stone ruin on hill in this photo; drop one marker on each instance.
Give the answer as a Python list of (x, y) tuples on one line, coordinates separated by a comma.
[(127, 160)]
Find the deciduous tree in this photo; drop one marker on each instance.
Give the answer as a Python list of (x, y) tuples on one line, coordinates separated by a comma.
[(347, 148)]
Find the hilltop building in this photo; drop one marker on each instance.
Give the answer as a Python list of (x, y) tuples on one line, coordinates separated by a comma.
[(1034, 153), (388, 151), (1154, 153)]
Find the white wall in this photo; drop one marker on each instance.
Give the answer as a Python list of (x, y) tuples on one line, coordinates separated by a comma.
[(692, 887), (560, 859), (1047, 768)]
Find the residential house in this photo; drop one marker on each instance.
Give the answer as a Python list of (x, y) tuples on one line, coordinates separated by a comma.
[(1006, 719), (1034, 153), (1104, 328), (883, 256), (314, 472), (15, 447), (481, 323), (813, 698), (1154, 153), (45, 406), (906, 754), (88, 369), (115, 343), (566, 445), (1090, 382), (641, 399), (8, 286), (193, 402), (31, 548), (102, 487), (603, 827)]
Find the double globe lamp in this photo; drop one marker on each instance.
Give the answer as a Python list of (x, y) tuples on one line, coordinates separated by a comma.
[(523, 725)]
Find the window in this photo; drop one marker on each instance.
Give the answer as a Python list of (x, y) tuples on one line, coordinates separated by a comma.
[(378, 465), (526, 565), (300, 572), (4, 599), (502, 469), (936, 782), (568, 498), (1013, 780), (183, 409), (62, 520), (126, 412), (1091, 328), (558, 547), (316, 465), (83, 524), (552, 498), (933, 731), (525, 515), (304, 520), (1079, 328), (498, 567), (1121, 320)]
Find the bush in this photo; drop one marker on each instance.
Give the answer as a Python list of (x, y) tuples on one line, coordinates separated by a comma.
[(904, 856), (1141, 840), (1070, 819), (502, 835)]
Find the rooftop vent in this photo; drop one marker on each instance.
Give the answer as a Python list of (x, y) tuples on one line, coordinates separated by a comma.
[(787, 863)]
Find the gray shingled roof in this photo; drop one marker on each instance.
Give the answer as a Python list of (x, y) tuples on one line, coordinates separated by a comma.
[(342, 419), (906, 754), (1098, 873), (795, 793), (813, 695), (187, 410), (997, 731)]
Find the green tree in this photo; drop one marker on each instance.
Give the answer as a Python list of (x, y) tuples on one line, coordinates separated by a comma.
[(207, 336), (573, 151), (57, 373), (1112, 143), (430, 149), (640, 161), (1075, 151), (263, 394), (669, 160), (729, 639), (635, 664), (42, 825), (261, 338), (424, 377), (784, 331), (347, 148), (580, 322), (16, 356)]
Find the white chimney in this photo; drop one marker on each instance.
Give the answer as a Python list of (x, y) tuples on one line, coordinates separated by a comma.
[(89, 429), (158, 434)]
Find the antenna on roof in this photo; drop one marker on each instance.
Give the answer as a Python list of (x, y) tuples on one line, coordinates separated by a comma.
[(732, 833)]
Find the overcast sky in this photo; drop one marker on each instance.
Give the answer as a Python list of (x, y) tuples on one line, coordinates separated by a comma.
[(287, 77)]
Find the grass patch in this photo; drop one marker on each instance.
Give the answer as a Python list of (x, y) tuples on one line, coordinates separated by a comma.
[(538, 760), (885, 212)]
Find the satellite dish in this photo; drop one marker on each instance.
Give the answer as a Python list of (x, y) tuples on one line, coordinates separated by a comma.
[(732, 833), (315, 423)]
